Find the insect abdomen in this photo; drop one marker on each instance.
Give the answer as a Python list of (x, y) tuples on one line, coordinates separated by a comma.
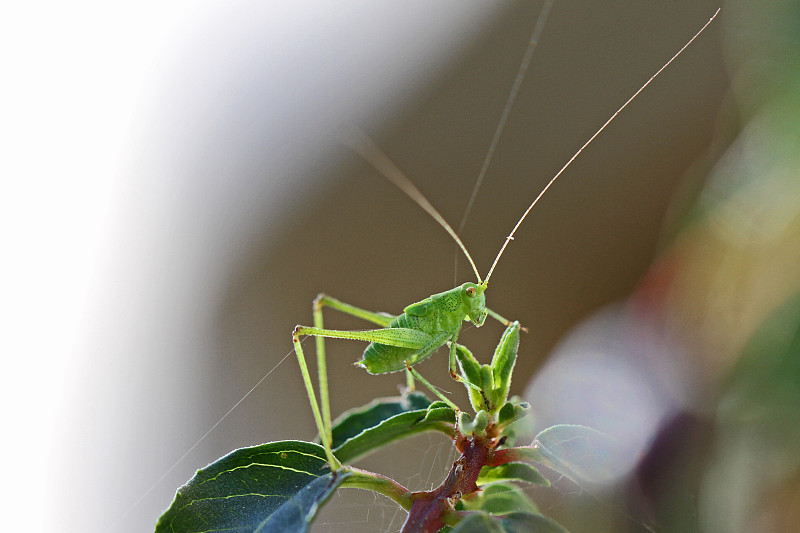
[(406, 321), (381, 358)]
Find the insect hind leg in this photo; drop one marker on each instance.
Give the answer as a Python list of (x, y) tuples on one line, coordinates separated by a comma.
[(376, 317), (323, 300)]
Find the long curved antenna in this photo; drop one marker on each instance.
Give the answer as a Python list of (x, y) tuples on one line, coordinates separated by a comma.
[(617, 112), (538, 28), (363, 145)]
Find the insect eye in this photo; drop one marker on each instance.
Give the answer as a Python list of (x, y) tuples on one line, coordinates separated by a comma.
[(471, 292)]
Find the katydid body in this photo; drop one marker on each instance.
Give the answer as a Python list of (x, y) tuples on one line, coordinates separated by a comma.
[(403, 341), (440, 317), (412, 336)]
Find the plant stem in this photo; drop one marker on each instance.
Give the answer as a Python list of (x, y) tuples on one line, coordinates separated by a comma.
[(364, 479), (520, 453), (431, 510)]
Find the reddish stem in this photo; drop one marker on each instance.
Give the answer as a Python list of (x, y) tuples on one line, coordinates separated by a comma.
[(520, 453), (429, 509)]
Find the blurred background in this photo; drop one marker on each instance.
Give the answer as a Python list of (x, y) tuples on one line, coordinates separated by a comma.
[(178, 196)]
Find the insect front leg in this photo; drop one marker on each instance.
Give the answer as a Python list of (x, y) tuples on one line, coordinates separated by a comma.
[(504, 321), (457, 355), (454, 366)]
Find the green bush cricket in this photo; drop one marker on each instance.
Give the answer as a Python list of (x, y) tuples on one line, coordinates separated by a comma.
[(406, 339)]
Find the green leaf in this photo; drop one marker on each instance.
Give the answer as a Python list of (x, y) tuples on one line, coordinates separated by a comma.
[(470, 367), (498, 498), (478, 523), (481, 399), (274, 487), (511, 472), (530, 523), (763, 393), (395, 428), (516, 423), (517, 522), (493, 380), (511, 412), (477, 427), (505, 356), (579, 452), (352, 422)]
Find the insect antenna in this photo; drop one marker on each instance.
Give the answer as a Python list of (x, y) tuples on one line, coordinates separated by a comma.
[(587, 143), (538, 28), (363, 146)]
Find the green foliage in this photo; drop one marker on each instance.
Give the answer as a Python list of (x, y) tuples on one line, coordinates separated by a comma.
[(280, 486), (513, 411), (530, 523), (511, 472), (274, 487), (354, 421), (517, 522), (764, 389), (468, 426), (396, 427), (493, 381), (498, 498), (581, 453)]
